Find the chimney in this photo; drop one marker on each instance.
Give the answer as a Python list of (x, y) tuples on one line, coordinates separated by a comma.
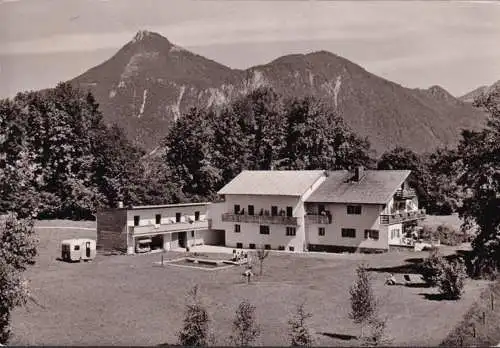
[(120, 204), (359, 173)]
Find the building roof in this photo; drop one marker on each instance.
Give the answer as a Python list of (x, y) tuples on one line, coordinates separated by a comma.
[(376, 187), (272, 182)]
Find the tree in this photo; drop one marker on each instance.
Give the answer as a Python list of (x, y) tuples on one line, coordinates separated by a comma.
[(245, 328), (363, 303), (195, 329), (480, 182), (317, 138), (17, 252), (432, 268), (262, 254), (452, 279), (299, 332)]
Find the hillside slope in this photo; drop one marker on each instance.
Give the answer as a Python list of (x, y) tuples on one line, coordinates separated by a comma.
[(150, 82)]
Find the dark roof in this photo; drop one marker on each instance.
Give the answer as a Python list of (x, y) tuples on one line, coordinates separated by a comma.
[(376, 187), (272, 182)]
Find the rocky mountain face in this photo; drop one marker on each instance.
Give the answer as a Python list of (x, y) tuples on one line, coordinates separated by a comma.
[(150, 82), (469, 97)]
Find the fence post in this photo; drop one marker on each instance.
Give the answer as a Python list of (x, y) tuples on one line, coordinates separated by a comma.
[(162, 259), (492, 298), (474, 331), (484, 318)]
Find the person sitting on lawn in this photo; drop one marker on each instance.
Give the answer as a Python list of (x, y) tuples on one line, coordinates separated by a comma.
[(390, 280)]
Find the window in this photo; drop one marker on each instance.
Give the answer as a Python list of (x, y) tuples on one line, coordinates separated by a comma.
[(321, 231), (267, 246), (281, 247), (348, 233), (264, 229), (77, 247), (192, 234), (354, 209), (239, 245), (196, 216), (137, 219), (158, 219), (291, 231), (237, 228), (251, 210), (274, 210), (395, 233), (289, 211), (291, 248), (236, 208), (252, 245), (372, 234)]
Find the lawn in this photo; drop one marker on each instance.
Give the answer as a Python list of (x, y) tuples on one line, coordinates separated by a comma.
[(129, 300)]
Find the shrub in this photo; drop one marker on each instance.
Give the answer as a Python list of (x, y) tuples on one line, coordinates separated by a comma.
[(377, 335), (299, 332), (363, 303), (452, 279), (432, 268), (195, 329), (245, 328)]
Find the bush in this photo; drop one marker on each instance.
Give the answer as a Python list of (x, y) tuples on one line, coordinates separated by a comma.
[(452, 279), (432, 268)]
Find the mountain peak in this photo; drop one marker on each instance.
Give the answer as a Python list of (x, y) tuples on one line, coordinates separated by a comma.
[(141, 35)]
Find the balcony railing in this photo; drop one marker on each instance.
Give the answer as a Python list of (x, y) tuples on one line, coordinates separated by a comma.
[(318, 219), (396, 218), (171, 227), (407, 193), (260, 219)]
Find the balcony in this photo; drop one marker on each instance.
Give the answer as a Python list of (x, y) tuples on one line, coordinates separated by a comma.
[(318, 219), (260, 219), (397, 218), (171, 227), (407, 193)]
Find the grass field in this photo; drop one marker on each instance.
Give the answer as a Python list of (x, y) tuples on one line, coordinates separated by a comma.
[(127, 300)]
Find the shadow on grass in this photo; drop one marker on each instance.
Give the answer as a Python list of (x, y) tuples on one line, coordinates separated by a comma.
[(418, 285), (435, 297), (406, 269), (342, 337)]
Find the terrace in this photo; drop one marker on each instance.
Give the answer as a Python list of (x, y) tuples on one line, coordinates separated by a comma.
[(169, 227), (260, 219), (396, 218)]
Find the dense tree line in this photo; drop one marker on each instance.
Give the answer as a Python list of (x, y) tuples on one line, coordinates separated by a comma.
[(259, 131), (58, 159)]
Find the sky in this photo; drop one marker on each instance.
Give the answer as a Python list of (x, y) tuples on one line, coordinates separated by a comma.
[(454, 44)]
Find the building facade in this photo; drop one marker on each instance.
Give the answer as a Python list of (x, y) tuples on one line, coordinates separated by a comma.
[(318, 210), (143, 228)]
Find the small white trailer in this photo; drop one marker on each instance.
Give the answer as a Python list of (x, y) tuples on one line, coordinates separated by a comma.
[(78, 249)]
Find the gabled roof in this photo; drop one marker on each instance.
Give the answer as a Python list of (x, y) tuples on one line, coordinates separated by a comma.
[(376, 187), (272, 182)]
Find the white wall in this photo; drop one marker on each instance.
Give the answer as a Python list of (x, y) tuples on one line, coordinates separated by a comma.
[(396, 240), (369, 219), (250, 232)]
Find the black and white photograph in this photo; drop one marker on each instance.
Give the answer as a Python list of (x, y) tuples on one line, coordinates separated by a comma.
[(250, 173)]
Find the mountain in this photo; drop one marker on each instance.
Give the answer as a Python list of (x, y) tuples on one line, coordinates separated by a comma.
[(151, 82), (469, 97)]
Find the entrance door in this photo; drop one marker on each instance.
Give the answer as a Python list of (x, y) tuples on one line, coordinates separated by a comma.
[(87, 249), (182, 239)]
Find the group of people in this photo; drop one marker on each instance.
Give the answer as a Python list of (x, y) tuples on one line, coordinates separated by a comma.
[(239, 255)]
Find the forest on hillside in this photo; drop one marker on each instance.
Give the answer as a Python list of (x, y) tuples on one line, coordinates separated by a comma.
[(58, 159)]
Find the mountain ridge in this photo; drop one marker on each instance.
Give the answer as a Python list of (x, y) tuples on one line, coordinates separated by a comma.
[(150, 82)]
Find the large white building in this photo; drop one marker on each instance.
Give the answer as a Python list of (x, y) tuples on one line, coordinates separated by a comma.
[(317, 210), (311, 210)]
